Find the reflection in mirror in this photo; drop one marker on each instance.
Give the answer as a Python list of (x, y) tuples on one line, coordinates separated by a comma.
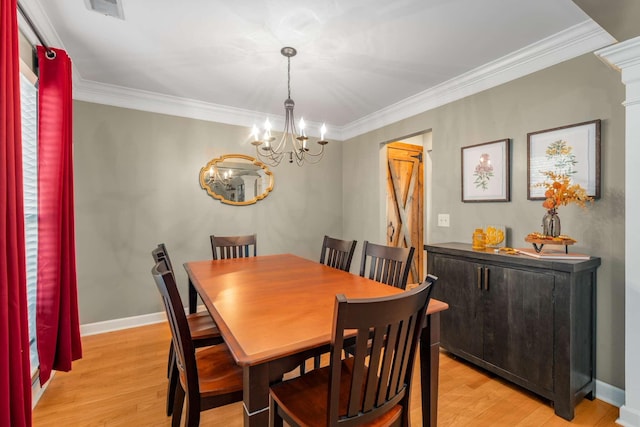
[(236, 179)]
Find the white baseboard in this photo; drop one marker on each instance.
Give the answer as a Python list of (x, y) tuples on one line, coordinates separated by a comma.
[(124, 323), (610, 394), (629, 417)]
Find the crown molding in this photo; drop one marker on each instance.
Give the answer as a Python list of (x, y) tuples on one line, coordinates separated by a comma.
[(570, 43), (119, 96), (621, 55), (625, 57), (574, 41)]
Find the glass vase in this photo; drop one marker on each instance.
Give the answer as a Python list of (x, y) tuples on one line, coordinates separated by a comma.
[(551, 224)]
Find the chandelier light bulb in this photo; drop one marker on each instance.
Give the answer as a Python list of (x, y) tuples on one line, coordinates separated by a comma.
[(323, 130), (302, 126)]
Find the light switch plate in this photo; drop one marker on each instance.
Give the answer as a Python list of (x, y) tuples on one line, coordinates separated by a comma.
[(443, 220)]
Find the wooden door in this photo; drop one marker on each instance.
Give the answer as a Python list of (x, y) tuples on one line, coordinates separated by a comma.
[(405, 197)]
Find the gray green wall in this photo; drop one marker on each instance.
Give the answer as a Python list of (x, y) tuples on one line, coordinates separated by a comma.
[(136, 185), (575, 91)]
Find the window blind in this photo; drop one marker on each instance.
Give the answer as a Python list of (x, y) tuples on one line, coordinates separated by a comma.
[(29, 110)]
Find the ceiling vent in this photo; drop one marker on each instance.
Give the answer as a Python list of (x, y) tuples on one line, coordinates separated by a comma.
[(106, 7)]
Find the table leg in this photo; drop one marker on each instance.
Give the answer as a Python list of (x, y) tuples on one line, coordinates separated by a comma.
[(429, 366), (256, 395), (193, 298)]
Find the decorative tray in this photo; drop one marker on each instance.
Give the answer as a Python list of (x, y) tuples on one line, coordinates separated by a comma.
[(540, 239)]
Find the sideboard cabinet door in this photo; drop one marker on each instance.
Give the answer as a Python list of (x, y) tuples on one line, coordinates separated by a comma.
[(462, 331), (518, 324)]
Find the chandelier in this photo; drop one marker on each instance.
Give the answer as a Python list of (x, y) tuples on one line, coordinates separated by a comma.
[(292, 145)]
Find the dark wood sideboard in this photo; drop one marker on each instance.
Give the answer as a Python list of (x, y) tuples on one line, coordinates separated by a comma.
[(530, 321)]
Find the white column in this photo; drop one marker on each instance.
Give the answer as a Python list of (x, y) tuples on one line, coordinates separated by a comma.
[(625, 56)]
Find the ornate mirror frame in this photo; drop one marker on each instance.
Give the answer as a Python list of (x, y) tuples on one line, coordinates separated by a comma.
[(233, 177)]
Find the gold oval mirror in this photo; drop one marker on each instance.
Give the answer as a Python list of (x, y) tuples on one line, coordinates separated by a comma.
[(236, 179)]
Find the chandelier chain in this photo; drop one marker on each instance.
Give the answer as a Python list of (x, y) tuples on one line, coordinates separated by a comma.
[(289, 77)]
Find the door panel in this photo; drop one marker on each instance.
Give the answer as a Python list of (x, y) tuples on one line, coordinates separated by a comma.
[(405, 197), (461, 325), (518, 324)]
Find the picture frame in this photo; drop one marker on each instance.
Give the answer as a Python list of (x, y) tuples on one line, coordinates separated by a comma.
[(486, 172), (573, 150)]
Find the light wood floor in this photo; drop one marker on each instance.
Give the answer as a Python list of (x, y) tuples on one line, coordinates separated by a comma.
[(121, 381)]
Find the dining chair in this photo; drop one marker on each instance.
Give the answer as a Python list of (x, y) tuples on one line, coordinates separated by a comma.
[(373, 386), (387, 264), (203, 330), (337, 253), (233, 246), (208, 378)]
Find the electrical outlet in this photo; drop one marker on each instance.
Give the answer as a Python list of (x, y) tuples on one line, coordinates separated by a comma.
[(443, 220)]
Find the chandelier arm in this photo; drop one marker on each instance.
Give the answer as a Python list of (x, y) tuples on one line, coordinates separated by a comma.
[(281, 144), (276, 157), (319, 153), (314, 158), (272, 158)]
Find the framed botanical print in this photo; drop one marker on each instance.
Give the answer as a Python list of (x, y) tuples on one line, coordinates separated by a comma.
[(485, 172), (572, 151)]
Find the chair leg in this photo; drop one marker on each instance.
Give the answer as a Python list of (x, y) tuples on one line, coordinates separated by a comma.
[(172, 359), (274, 418), (193, 414), (174, 377), (177, 406)]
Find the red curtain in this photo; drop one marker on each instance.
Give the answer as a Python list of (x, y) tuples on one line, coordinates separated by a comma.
[(15, 377), (57, 323)]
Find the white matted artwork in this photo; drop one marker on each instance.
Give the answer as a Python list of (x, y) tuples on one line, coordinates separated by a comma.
[(485, 172), (572, 150)]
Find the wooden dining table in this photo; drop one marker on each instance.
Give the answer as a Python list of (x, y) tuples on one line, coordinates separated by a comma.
[(276, 311)]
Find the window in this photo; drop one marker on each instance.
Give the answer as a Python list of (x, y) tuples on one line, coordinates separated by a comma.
[(29, 107)]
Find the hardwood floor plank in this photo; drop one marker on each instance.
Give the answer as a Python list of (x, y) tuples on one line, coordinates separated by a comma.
[(121, 381)]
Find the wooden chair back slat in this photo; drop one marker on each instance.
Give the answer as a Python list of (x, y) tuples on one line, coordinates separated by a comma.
[(233, 246), (387, 264), (337, 253)]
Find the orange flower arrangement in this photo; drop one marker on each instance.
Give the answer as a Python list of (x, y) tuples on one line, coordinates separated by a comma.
[(561, 192)]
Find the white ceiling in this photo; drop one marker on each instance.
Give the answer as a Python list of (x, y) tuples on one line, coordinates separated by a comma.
[(360, 64)]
